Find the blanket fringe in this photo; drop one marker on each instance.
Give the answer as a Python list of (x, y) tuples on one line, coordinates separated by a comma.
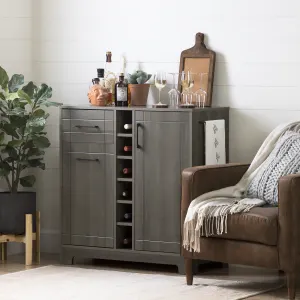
[(210, 220)]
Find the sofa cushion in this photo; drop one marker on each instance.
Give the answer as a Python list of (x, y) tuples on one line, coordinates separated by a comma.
[(259, 225), (283, 160)]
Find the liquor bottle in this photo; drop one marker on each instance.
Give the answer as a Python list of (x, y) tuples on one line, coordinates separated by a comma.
[(128, 216), (128, 126), (100, 73), (121, 92), (110, 77), (127, 148), (127, 241), (125, 194), (127, 171)]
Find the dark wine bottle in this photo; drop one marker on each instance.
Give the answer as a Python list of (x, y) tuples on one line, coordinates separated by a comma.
[(127, 148), (127, 241), (127, 171), (128, 216), (125, 194), (128, 126), (121, 92)]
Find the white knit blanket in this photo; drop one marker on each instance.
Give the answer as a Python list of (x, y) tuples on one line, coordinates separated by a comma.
[(207, 214)]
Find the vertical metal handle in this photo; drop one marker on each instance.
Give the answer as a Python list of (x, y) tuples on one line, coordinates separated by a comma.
[(138, 125)]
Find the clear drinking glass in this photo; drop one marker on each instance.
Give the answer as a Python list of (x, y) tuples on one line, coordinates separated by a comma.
[(174, 94), (187, 82), (201, 93), (160, 83)]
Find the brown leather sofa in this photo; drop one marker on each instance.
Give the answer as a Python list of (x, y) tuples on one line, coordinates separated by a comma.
[(264, 237)]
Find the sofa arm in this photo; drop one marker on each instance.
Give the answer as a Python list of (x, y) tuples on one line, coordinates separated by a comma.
[(289, 222), (200, 180)]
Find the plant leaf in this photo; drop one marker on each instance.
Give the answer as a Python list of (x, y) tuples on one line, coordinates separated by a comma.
[(15, 143), (3, 78), (12, 96), (37, 162), (5, 169), (27, 181), (9, 129), (29, 89), (41, 142), (2, 96), (23, 95), (2, 135), (36, 124), (39, 113), (15, 82), (12, 152), (43, 93), (35, 152), (51, 103)]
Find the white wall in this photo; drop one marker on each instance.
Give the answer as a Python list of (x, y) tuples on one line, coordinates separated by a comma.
[(16, 49), (257, 44)]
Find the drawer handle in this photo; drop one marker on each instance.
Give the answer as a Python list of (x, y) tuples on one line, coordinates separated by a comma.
[(88, 159), (81, 126)]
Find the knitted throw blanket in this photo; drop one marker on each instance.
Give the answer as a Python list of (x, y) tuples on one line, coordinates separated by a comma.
[(207, 214)]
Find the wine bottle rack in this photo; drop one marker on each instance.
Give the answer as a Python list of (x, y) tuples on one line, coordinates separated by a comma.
[(124, 191)]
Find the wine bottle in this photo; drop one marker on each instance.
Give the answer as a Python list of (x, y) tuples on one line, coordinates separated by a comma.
[(128, 216), (127, 148), (127, 171), (128, 126), (121, 92), (127, 241), (110, 78), (100, 73), (125, 194)]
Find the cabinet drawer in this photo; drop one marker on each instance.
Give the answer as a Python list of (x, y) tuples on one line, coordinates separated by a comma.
[(88, 148), (92, 114), (78, 137), (87, 126)]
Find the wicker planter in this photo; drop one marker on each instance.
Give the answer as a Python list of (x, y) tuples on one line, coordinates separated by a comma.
[(139, 94), (13, 208)]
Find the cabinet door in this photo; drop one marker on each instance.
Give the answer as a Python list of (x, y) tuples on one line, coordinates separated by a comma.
[(161, 153), (91, 199)]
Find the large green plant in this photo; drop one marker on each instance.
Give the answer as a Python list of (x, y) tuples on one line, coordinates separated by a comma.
[(22, 128)]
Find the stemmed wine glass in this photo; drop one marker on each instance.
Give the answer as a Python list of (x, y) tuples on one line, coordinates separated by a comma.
[(174, 94), (201, 93), (187, 82), (160, 83)]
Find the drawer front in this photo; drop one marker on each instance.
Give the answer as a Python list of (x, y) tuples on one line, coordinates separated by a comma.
[(91, 114), (98, 138), (87, 126), (88, 148)]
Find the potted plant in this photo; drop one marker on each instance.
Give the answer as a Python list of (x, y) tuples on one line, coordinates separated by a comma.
[(138, 88), (22, 143)]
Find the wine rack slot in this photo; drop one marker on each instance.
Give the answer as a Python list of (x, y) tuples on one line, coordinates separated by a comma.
[(124, 146), (124, 191), (124, 237), (124, 122), (124, 168), (124, 213)]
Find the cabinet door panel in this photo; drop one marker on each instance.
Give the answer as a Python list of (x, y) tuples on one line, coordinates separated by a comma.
[(91, 200), (162, 154)]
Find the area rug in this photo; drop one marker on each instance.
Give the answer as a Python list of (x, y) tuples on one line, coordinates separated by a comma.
[(73, 283)]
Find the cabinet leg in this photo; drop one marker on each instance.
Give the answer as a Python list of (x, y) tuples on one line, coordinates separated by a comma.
[(291, 285), (3, 251), (28, 240), (38, 238), (182, 268)]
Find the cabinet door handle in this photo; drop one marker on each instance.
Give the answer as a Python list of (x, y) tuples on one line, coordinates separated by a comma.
[(138, 125), (87, 126), (88, 159)]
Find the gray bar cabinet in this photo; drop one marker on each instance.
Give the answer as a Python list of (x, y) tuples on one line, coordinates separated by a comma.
[(121, 185)]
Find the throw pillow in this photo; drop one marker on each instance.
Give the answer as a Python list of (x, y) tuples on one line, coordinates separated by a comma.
[(283, 160)]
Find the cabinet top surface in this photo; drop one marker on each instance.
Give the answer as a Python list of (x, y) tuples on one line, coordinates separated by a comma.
[(147, 108)]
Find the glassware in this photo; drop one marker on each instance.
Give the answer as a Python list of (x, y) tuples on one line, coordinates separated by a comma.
[(174, 94), (201, 93), (160, 83), (187, 82)]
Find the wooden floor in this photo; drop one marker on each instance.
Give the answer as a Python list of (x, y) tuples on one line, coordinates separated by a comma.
[(15, 263)]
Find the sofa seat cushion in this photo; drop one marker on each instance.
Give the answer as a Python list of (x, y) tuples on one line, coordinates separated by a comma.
[(259, 225)]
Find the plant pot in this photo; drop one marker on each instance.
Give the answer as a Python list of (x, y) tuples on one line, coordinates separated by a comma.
[(13, 208), (139, 94)]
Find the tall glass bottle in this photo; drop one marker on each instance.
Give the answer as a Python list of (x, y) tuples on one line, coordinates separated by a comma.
[(110, 77), (121, 92)]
